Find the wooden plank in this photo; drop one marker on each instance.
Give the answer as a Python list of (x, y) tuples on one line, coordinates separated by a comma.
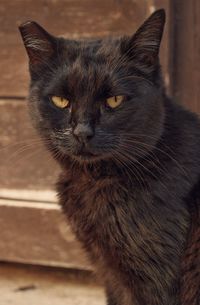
[(38, 233), (25, 163), (38, 285), (70, 18), (24, 195), (186, 59)]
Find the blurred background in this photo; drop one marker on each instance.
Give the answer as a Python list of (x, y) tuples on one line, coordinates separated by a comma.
[(33, 231)]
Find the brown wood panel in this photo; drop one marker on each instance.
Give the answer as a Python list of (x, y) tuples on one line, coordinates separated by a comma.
[(186, 59), (38, 233), (70, 18), (24, 162)]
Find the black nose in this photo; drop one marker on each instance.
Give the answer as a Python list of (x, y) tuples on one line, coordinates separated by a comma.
[(83, 132)]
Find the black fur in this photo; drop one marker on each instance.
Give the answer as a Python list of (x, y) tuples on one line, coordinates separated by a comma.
[(127, 186)]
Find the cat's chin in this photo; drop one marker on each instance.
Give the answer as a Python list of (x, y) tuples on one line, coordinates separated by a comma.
[(87, 158), (85, 154), (90, 157)]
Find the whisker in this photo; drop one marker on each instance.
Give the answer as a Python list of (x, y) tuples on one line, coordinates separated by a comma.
[(154, 147), (148, 156), (13, 145), (123, 158), (150, 173)]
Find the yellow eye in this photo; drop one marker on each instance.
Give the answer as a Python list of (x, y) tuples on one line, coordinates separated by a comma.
[(60, 102), (114, 101)]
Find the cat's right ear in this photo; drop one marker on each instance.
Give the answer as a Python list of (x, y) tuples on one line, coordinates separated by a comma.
[(39, 44)]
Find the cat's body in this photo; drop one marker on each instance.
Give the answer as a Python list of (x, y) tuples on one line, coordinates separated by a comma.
[(130, 181), (135, 237)]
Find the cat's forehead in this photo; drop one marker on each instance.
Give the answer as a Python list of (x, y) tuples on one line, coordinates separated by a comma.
[(88, 49), (89, 63), (101, 45)]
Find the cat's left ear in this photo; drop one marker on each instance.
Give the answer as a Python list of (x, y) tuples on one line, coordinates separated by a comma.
[(39, 44), (145, 43)]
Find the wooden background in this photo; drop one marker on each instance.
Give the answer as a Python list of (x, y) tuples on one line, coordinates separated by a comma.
[(185, 77), (32, 227)]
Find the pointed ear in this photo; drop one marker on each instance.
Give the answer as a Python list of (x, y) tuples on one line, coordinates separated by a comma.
[(39, 44), (145, 43)]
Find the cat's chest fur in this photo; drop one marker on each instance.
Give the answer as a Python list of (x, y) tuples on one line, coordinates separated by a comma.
[(90, 206), (96, 209), (123, 231)]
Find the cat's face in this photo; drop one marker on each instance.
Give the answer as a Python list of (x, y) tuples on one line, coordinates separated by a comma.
[(96, 99)]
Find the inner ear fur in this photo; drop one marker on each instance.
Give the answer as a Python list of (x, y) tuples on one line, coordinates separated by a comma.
[(39, 44)]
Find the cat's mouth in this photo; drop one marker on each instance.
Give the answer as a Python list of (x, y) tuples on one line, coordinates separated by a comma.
[(85, 154)]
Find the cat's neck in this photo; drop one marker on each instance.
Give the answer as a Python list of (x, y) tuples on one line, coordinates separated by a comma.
[(98, 170), (129, 175)]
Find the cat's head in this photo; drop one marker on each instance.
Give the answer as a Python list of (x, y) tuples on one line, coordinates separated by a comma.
[(100, 98)]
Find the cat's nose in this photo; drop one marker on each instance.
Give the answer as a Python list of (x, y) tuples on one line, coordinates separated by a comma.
[(83, 132)]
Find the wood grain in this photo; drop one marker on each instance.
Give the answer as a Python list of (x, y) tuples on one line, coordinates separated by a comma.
[(37, 233), (186, 56)]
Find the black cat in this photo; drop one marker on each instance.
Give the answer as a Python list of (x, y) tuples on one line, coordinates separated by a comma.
[(130, 160)]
